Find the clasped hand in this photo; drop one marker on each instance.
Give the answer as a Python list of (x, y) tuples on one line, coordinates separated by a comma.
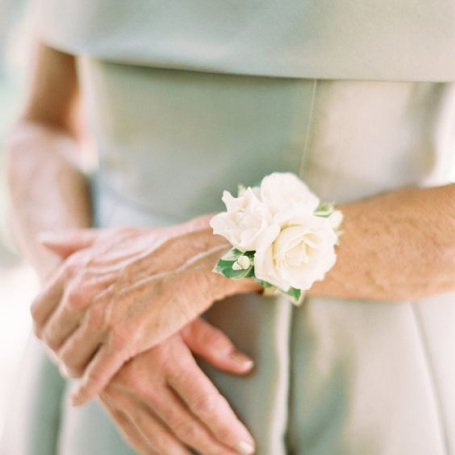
[(122, 291), (164, 404)]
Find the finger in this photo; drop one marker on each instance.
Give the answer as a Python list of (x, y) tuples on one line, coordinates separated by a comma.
[(207, 404), (149, 426), (79, 349), (102, 368), (62, 322), (214, 346), (128, 430), (65, 243), (47, 301), (81, 300), (186, 426)]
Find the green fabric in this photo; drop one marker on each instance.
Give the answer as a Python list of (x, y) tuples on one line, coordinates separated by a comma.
[(332, 377), (331, 39)]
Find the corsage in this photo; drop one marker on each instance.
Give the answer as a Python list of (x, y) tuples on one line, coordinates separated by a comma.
[(281, 234)]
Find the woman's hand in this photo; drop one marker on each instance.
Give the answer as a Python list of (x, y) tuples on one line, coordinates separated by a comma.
[(164, 404), (122, 291)]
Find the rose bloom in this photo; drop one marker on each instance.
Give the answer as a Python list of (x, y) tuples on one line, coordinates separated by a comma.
[(247, 223), (300, 255), (282, 190)]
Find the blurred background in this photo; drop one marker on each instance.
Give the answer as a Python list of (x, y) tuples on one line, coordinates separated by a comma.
[(17, 281)]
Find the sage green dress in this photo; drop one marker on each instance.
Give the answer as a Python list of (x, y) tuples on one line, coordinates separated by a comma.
[(186, 98)]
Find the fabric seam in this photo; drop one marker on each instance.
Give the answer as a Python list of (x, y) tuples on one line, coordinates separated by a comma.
[(308, 128), (288, 434)]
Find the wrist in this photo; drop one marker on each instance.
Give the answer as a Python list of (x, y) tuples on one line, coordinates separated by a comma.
[(281, 234)]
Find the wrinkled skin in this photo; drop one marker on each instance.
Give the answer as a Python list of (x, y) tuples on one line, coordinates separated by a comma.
[(122, 291), (164, 404)]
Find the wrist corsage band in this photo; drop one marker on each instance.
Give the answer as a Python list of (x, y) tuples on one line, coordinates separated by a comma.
[(281, 234)]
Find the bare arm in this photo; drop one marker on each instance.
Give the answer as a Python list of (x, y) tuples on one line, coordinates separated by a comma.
[(399, 245), (49, 191)]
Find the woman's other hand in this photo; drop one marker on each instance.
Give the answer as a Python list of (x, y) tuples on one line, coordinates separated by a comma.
[(122, 291), (164, 404)]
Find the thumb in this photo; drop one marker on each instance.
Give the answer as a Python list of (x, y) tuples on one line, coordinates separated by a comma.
[(65, 243), (214, 346)]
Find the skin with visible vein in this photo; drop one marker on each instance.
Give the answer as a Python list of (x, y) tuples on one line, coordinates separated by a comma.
[(111, 294), (49, 192)]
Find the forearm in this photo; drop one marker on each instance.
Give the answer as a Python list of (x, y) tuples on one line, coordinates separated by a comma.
[(48, 190), (400, 245)]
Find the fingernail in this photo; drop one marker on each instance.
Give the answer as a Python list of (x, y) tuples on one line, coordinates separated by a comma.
[(245, 448), (242, 360)]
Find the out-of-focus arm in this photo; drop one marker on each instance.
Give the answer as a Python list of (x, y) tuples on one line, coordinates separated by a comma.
[(48, 189)]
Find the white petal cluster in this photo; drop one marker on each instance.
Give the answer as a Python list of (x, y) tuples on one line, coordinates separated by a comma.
[(247, 224), (293, 246)]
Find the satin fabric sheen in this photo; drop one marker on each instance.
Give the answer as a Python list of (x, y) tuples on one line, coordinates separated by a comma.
[(410, 40), (174, 126)]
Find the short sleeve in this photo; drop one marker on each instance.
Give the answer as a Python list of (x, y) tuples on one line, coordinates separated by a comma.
[(410, 40)]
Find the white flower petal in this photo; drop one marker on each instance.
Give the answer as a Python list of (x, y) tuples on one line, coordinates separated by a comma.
[(281, 190), (300, 255), (244, 222)]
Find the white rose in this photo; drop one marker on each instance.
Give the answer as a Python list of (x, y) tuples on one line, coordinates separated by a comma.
[(247, 224), (300, 255), (282, 190)]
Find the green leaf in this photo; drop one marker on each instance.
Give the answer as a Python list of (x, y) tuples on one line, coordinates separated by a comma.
[(325, 209), (264, 284), (296, 295), (232, 255), (225, 268)]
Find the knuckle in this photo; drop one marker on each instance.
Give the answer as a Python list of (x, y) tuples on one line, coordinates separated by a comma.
[(94, 377), (121, 342), (35, 307), (118, 340), (216, 340), (37, 330), (76, 298), (225, 432), (74, 370), (158, 441), (96, 320), (205, 405), (137, 385), (186, 429), (153, 398), (66, 356), (168, 413), (50, 340), (71, 266)]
